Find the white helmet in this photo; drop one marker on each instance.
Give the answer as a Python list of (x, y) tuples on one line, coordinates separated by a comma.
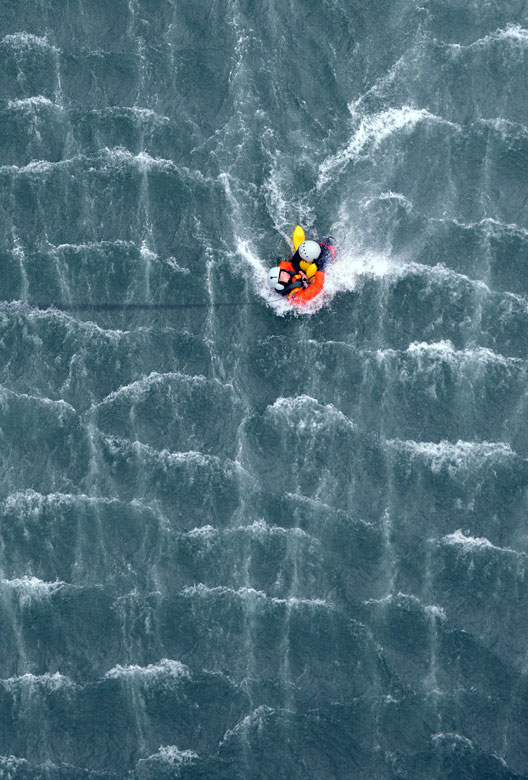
[(309, 251), (273, 278)]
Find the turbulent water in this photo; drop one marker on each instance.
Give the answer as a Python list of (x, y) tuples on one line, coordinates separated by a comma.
[(238, 542)]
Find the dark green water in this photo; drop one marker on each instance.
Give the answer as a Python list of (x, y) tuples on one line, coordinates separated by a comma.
[(238, 543)]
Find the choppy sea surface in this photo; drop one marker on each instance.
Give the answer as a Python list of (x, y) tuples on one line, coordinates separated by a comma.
[(238, 542)]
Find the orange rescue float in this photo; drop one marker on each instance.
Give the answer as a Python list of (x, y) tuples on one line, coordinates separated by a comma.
[(302, 296)]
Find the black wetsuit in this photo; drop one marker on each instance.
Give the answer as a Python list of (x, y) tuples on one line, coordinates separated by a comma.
[(321, 261)]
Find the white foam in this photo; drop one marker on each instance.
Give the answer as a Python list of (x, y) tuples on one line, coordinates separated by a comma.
[(345, 273), (406, 600), (442, 274), (26, 40), (193, 458), (60, 404), (31, 588), (12, 764), (372, 132), (136, 111), (442, 348), (36, 101), (474, 544), (70, 323), (306, 413), (489, 225), (467, 542), (164, 668), (445, 350), (93, 245), (257, 716), (140, 387), (382, 83), (505, 128), (245, 250), (277, 204), (455, 455), (206, 591), (30, 502), (50, 682), (353, 265), (172, 756), (452, 737), (512, 33), (107, 158), (295, 601), (320, 506), (39, 167), (118, 155), (260, 529), (251, 595), (435, 611), (173, 263), (504, 227), (392, 196), (205, 532)]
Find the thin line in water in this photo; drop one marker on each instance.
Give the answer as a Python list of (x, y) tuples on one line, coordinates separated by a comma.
[(132, 306)]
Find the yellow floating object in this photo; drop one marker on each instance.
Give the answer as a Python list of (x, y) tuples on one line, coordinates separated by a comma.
[(309, 269), (298, 237)]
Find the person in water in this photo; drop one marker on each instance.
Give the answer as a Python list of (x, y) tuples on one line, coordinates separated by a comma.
[(304, 270)]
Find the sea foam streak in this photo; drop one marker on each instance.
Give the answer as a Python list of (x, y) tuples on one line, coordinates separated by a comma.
[(170, 755), (252, 596), (474, 544), (454, 455), (47, 682), (31, 588), (25, 40), (372, 132), (164, 668)]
